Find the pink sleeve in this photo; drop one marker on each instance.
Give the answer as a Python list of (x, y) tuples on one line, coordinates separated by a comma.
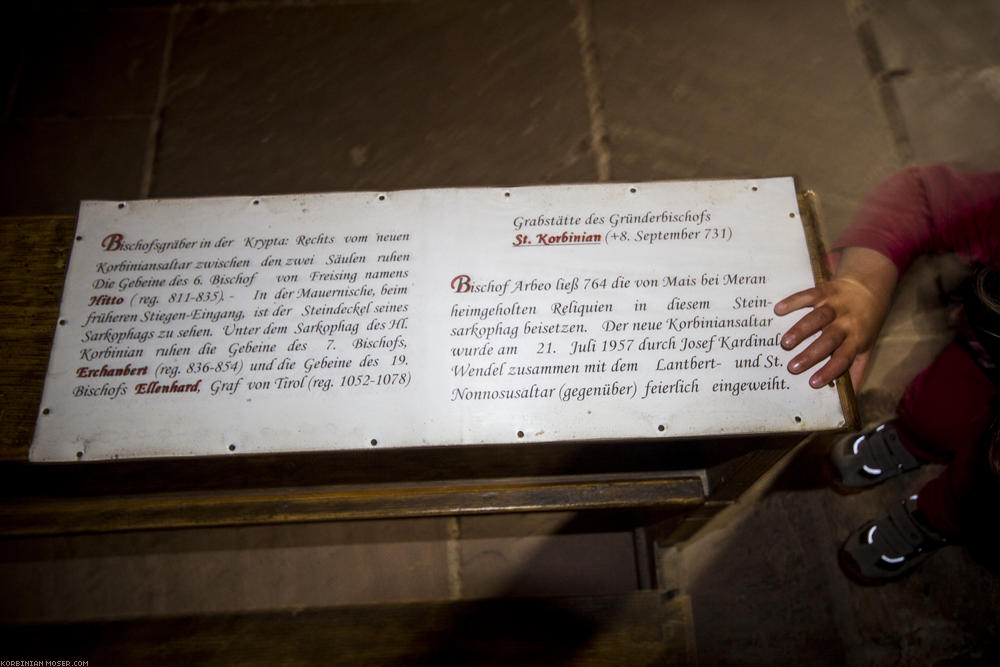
[(929, 210)]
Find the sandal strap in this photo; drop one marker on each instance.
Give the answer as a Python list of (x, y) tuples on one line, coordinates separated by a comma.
[(902, 532), (885, 451), (891, 546)]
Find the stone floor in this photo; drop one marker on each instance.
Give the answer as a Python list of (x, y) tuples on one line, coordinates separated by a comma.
[(152, 99)]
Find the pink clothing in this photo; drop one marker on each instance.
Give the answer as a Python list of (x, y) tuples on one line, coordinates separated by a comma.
[(949, 409), (930, 210), (944, 416)]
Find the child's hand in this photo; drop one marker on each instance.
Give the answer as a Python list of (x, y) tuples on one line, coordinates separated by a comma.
[(847, 311)]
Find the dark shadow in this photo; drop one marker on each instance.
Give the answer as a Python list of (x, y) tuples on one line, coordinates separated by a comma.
[(809, 467), (509, 632)]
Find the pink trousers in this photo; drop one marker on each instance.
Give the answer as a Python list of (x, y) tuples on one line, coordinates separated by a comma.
[(947, 415)]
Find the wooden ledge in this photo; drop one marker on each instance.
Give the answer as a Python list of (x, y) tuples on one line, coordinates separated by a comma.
[(47, 516)]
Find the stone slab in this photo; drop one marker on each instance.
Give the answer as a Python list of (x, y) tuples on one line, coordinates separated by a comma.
[(49, 166), (766, 588), (760, 589), (953, 116), (932, 35), (100, 62), (12, 46), (921, 306), (726, 88), (327, 98)]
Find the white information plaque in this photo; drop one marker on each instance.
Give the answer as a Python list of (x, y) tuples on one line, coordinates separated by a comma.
[(236, 325)]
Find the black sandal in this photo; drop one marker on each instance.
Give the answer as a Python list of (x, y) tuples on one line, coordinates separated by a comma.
[(870, 458), (891, 547)]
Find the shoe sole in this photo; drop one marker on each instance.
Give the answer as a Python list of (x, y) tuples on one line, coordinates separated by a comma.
[(836, 482), (851, 570)]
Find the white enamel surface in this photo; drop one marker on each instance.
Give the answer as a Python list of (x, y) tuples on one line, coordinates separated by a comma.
[(753, 231)]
